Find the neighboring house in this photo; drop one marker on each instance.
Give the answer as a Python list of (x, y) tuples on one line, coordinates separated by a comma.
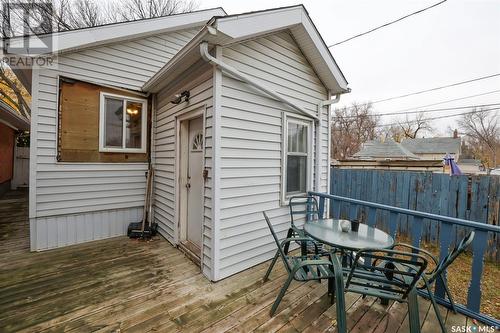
[(387, 155), (434, 148), (384, 150), (471, 166), (409, 165), (232, 112), (10, 125)]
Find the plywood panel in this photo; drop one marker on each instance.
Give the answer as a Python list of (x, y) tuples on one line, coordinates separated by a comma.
[(79, 124)]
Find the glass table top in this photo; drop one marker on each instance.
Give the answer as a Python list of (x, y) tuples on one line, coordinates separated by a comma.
[(328, 231)]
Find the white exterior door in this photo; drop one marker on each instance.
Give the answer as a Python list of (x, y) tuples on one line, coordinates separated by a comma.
[(195, 181)]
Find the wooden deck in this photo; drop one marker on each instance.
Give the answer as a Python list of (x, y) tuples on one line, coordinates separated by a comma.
[(124, 285)]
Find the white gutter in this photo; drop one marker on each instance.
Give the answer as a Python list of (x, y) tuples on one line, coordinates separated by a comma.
[(241, 76), (319, 130)]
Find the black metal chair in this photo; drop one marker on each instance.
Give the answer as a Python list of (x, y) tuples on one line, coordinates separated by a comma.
[(429, 277), (307, 207), (394, 278), (304, 268), (304, 206)]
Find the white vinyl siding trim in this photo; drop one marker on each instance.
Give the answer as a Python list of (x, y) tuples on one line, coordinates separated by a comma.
[(76, 189), (63, 230), (252, 146)]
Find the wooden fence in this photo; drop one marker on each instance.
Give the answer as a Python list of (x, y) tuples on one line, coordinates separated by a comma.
[(474, 198)]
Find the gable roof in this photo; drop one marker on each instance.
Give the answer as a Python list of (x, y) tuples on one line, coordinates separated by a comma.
[(11, 118), (432, 145), (231, 29), (384, 150), (66, 41)]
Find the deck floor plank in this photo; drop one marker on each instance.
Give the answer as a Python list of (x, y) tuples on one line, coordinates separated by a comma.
[(371, 318), (392, 319), (423, 308), (124, 285), (328, 318)]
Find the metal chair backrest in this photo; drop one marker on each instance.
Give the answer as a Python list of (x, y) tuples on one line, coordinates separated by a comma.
[(451, 256), (391, 271), (303, 206), (278, 243)]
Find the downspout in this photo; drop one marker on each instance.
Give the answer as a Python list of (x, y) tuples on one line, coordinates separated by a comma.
[(152, 156), (245, 78), (319, 130)]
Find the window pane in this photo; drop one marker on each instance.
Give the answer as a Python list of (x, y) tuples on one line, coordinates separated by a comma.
[(302, 139), (113, 122), (296, 174), (292, 137), (133, 133), (297, 138)]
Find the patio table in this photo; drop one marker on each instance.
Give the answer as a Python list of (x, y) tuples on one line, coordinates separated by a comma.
[(328, 231)]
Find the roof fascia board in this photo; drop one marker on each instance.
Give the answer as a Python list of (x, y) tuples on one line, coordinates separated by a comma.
[(10, 117), (82, 38), (246, 26), (323, 50)]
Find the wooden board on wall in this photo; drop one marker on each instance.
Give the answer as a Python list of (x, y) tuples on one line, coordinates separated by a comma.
[(79, 124)]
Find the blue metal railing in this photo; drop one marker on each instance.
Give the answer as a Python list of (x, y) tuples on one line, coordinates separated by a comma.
[(479, 244)]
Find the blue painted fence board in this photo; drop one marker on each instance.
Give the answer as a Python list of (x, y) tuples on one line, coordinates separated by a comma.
[(471, 198)]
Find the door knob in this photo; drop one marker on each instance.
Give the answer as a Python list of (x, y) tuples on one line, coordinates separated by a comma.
[(188, 186)]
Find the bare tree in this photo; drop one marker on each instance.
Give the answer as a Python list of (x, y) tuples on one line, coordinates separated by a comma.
[(140, 9), (87, 13), (482, 129), (351, 127), (393, 132), (411, 127)]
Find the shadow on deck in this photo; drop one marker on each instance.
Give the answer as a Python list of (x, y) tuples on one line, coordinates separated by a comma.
[(120, 284)]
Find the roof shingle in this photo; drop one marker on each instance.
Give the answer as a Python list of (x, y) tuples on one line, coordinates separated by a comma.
[(432, 145), (384, 150)]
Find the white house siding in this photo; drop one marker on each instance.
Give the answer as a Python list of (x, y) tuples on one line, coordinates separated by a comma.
[(63, 194), (251, 141), (199, 83)]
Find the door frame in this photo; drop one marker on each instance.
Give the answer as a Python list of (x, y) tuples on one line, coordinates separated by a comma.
[(181, 171)]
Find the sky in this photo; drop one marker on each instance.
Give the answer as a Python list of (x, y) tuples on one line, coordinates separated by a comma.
[(456, 41)]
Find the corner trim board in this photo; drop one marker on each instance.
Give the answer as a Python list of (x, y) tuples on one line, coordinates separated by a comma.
[(216, 139)]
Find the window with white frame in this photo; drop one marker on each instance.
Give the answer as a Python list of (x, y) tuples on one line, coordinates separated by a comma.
[(122, 124), (297, 169)]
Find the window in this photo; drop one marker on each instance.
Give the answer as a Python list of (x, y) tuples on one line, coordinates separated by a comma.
[(197, 144), (122, 124), (297, 157)]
